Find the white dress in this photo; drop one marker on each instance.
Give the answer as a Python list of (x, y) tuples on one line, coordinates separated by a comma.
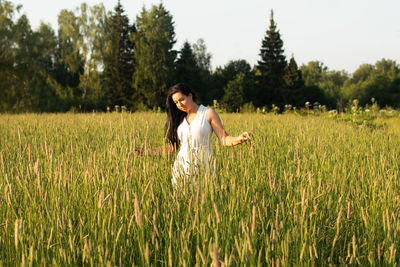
[(195, 148)]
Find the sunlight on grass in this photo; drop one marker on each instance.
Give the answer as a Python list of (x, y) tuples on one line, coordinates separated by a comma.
[(310, 189)]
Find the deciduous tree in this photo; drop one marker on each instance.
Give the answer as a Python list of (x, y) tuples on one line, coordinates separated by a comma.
[(81, 36), (233, 98)]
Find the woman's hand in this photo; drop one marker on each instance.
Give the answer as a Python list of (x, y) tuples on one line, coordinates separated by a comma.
[(158, 151), (223, 136), (244, 137), (140, 151)]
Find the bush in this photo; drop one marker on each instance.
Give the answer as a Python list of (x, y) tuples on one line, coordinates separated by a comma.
[(248, 108)]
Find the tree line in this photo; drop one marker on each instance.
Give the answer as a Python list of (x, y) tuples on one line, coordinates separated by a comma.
[(100, 59)]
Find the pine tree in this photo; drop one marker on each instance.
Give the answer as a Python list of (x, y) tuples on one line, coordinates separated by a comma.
[(294, 84), (154, 56), (119, 62), (186, 67), (272, 66)]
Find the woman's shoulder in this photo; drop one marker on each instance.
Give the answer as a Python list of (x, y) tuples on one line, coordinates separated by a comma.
[(203, 109), (210, 113)]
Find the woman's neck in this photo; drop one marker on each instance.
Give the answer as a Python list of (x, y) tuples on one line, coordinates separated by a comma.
[(193, 109)]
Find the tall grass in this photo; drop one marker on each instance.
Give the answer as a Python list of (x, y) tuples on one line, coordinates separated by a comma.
[(307, 191)]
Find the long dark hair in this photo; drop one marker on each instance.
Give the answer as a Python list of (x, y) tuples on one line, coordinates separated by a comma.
[(175, 116)]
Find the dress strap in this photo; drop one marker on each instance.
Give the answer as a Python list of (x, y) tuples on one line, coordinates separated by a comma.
[(202, 111)]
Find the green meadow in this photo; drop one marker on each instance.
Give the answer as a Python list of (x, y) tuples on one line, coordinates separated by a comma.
[(309, 190)]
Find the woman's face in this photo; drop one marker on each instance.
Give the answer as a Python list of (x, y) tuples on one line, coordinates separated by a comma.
[(182, 101)]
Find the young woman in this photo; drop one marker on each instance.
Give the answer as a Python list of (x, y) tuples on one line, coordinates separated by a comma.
[(189, 128)]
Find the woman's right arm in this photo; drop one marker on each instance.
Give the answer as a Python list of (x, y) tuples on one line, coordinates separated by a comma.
[(222, 135), (166, 150)]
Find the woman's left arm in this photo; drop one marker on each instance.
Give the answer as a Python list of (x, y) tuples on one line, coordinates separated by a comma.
[(223, 136)]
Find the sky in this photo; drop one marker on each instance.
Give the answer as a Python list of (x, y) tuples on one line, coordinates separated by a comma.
[(342, 34)]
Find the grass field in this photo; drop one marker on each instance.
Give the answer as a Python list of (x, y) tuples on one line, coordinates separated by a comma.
[(310, 190)]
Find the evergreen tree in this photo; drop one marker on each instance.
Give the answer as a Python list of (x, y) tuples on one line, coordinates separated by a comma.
[(272, 66), (294, 84), (187, 70), (119, 59), (154, 39)]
